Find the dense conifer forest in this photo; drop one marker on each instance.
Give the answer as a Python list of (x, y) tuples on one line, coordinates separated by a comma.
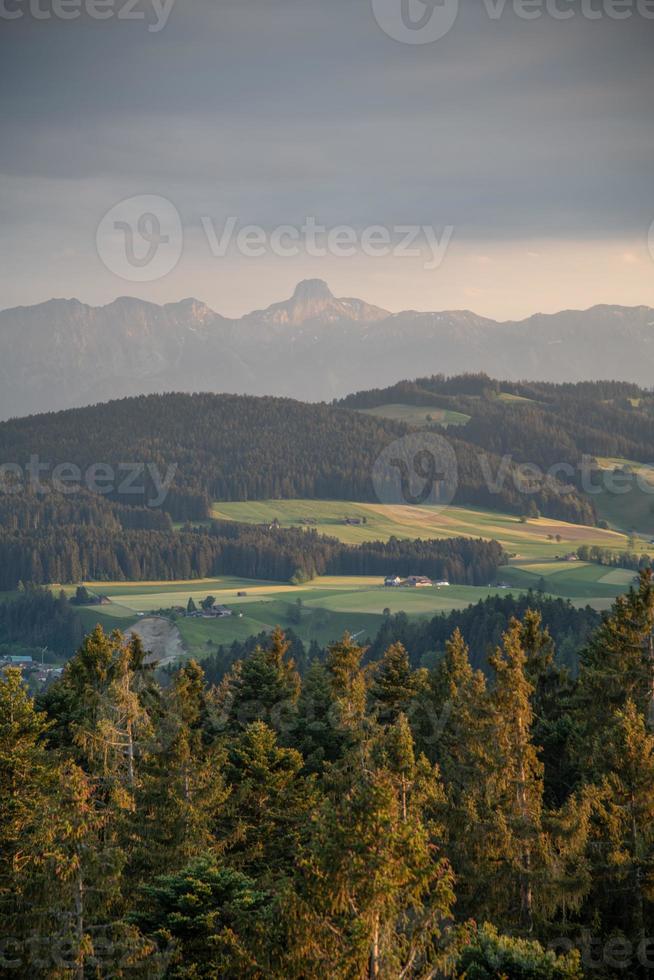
[(172, 455), (88, 553), (367, 820), (228, 447), (548, 425)]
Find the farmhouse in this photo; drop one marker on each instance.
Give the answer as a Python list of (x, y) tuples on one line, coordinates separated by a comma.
[(442, 584), (23, 663), (392, 581), (217, 612), (419, 582)]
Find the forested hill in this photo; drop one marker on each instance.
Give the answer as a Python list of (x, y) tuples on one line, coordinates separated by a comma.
[(538, 423), (229, 447)]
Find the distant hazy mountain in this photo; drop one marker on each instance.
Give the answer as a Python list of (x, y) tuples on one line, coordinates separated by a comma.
[(63, 354)]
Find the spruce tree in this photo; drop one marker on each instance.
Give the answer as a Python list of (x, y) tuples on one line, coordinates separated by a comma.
[(622, 840), (616, 666), (394, 684), (375, 891), (26, 783), (182, 789), (263, 687), (517, 827), (266, 812), (348, 683)]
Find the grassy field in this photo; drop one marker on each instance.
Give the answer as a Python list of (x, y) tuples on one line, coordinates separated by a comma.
[(325, 608), (505, 396), (321, 610), (534, 539), (573, 580), (418, 415), (633, 509)]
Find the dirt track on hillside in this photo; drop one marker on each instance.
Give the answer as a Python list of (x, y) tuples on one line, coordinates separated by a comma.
[(161, 639)]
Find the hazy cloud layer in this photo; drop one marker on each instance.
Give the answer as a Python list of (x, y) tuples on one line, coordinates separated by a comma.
[(519, 134)]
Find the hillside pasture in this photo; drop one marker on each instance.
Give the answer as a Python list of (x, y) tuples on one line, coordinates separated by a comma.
[(327, 607), (572, 580), (632, 507), (417, 416), (382, 521)]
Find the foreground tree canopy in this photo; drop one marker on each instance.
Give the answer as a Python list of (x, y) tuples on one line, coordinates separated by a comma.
[(364, 820)]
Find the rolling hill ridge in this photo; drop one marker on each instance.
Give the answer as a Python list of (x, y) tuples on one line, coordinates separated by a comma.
[(314, 346)]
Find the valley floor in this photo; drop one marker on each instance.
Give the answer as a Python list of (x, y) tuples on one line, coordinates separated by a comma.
[(323, 609)]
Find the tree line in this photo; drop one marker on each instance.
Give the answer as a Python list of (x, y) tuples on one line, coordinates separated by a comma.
[(89, 553), (482, 625), (38, 619), (367, 820), (228, 447)]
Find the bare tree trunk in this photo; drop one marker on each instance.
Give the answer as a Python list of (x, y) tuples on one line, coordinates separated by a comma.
[(130, 756), (650, 706), (79, 924), (373, 968), (526, 895)]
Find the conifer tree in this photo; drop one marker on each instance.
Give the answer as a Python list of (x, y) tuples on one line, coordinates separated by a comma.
[(394, 684), (183, 787), (552, 727), (266, 812), (519, 784), (26, 782), (348, 683), (262, 687), (376, 892), (461, 743), (617, 665), (622, 841), (316, 732)]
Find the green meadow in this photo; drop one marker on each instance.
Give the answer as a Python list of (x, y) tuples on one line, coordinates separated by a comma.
[(536, 538), (321, 610), (628, 503), (418, 415), (573, 580), (325, 608)]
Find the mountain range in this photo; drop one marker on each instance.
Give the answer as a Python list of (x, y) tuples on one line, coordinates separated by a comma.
[(314, 346)]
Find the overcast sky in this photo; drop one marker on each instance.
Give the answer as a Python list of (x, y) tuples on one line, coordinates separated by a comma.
[(531, 140)]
